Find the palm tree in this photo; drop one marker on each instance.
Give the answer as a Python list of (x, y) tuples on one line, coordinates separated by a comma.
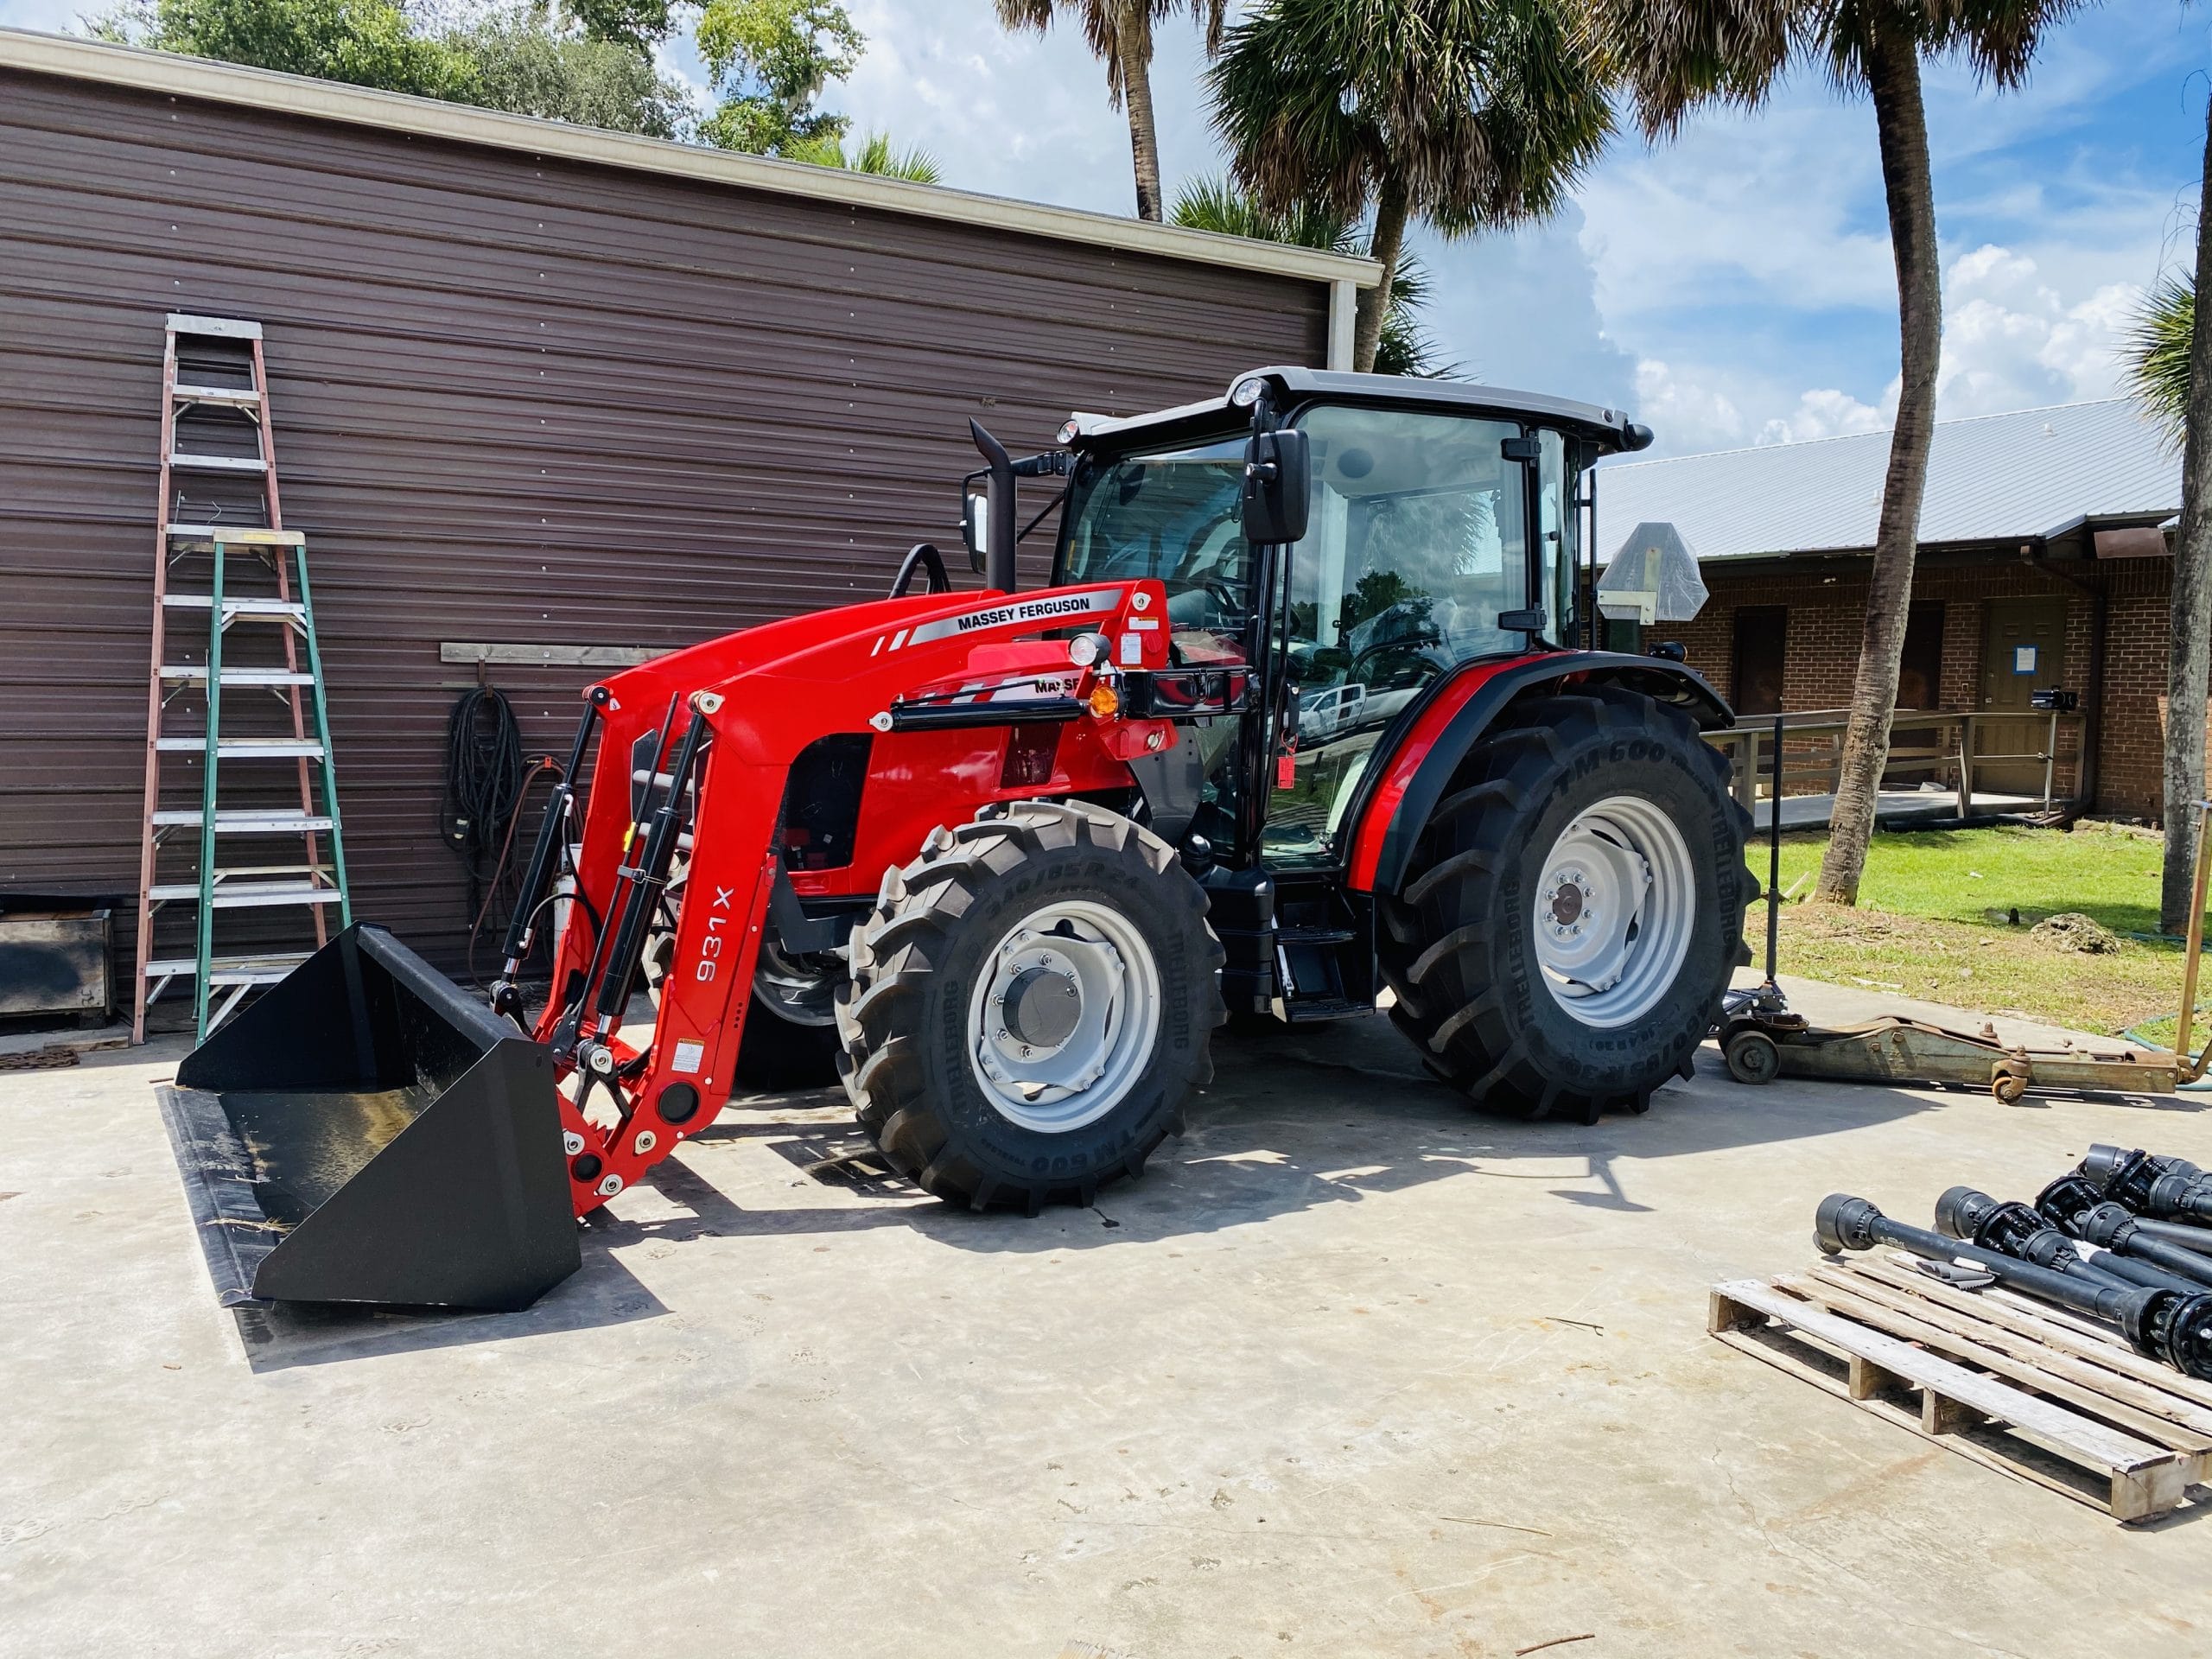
[(1677, 55), (1217, 205), (1120, 32), (2171, 362), (874, 155), (1464, 113)]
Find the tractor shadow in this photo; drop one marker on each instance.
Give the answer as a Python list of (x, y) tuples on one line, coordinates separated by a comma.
[(1293, 1121), (280, 1335)]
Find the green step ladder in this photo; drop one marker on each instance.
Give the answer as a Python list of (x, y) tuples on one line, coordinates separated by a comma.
[(215, 426)]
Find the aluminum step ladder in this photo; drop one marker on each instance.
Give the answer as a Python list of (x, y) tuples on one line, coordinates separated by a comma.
[(222, 553)]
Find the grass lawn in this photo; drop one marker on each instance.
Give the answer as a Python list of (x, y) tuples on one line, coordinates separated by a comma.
[(1934, 921)]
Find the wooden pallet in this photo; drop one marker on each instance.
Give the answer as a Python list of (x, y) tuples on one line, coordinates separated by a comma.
[(2030, 1390)]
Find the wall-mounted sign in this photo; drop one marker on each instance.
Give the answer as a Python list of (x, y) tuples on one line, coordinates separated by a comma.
[(2023, 659)]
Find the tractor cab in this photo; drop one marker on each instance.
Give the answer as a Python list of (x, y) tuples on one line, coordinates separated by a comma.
[(1441, 525)]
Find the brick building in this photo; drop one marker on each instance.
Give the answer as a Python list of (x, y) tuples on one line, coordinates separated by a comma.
[(2045, 560)]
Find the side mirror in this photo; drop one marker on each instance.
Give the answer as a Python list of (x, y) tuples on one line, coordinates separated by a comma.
[(1276, 486), (975, 527)]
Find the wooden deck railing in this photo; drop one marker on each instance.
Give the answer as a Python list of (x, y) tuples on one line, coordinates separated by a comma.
[(1940, 745)]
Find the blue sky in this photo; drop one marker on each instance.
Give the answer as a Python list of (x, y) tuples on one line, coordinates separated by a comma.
[(1732, 287)]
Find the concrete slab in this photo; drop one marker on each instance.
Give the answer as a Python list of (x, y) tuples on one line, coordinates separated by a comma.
[(1355, 1369)]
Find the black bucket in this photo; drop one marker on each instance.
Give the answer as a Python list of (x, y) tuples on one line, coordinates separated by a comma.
[(365, 1132)]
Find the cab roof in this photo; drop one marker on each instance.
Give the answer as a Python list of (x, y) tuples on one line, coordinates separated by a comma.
[(1610, 429)]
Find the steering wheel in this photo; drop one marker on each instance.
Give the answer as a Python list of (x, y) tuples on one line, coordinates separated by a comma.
[(1421, 640), (1227, 599)]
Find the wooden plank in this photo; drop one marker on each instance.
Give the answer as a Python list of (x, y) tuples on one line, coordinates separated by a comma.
[(549, 656), (1940, 1415), (1865, 1379), (2143, 1479), (2151, 1397), (1925, 1370), (2037, 1370), (2064, 1330), (2111, 1501)]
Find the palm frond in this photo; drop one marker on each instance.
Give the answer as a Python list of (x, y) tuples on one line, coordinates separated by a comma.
[(2159, 340), (1485, 111)]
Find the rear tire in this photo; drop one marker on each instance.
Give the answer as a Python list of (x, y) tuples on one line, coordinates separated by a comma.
[(1054, 900), (1621, 794)]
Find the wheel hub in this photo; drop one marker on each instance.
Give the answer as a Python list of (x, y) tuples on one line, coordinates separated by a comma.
[(1042, 1006), (1065, 1016), (1614, 911)]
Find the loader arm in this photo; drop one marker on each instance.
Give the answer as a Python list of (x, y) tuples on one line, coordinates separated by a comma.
[(928, 663)]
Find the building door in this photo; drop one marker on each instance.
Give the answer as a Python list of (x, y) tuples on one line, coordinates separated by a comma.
[(2022, 651), (1762, 633), (1918, 753)]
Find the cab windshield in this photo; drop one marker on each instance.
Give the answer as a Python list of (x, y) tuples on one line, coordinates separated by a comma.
[(1168, 513), (1423, 530)]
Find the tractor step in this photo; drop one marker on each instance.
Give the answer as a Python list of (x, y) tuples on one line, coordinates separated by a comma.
[(1313, 1011)]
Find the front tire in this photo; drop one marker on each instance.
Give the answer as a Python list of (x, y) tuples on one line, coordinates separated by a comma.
[(1573, 909), (1031, 1003)]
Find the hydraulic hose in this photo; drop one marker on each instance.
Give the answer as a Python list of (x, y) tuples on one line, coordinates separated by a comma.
[(2168, 1325)]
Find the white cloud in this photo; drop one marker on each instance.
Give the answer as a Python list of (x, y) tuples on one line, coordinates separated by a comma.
[(1767, 207), (2013, 340), (1687, 415), (1827, 413)]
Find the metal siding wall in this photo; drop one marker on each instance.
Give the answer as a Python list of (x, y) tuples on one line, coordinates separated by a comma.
[(514, 401)]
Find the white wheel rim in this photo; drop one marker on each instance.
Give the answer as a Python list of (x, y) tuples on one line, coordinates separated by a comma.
[(1063, 1016), (1615, 909)]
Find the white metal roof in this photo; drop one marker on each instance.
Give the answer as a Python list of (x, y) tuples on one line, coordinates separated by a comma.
[(1993, 478), (226, 83)]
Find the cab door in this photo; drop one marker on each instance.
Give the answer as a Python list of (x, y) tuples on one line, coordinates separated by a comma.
[(1417, 540)]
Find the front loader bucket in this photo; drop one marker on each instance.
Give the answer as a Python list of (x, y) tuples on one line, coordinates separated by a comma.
[(364, 1132)]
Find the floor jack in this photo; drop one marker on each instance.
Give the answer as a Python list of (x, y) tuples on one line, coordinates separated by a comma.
[(1762, 1039)]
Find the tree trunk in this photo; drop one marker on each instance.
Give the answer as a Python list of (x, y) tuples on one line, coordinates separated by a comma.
[(1385, 245), (2191, 650), (1901, 124), (1144, 131)]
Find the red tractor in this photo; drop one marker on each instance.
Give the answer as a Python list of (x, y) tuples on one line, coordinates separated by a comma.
[(1304, 715)]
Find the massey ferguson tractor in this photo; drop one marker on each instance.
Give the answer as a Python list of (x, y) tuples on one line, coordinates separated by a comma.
[(1306, 715)]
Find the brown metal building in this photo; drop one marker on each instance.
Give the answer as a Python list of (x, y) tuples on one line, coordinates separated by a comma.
[(533, 385)]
